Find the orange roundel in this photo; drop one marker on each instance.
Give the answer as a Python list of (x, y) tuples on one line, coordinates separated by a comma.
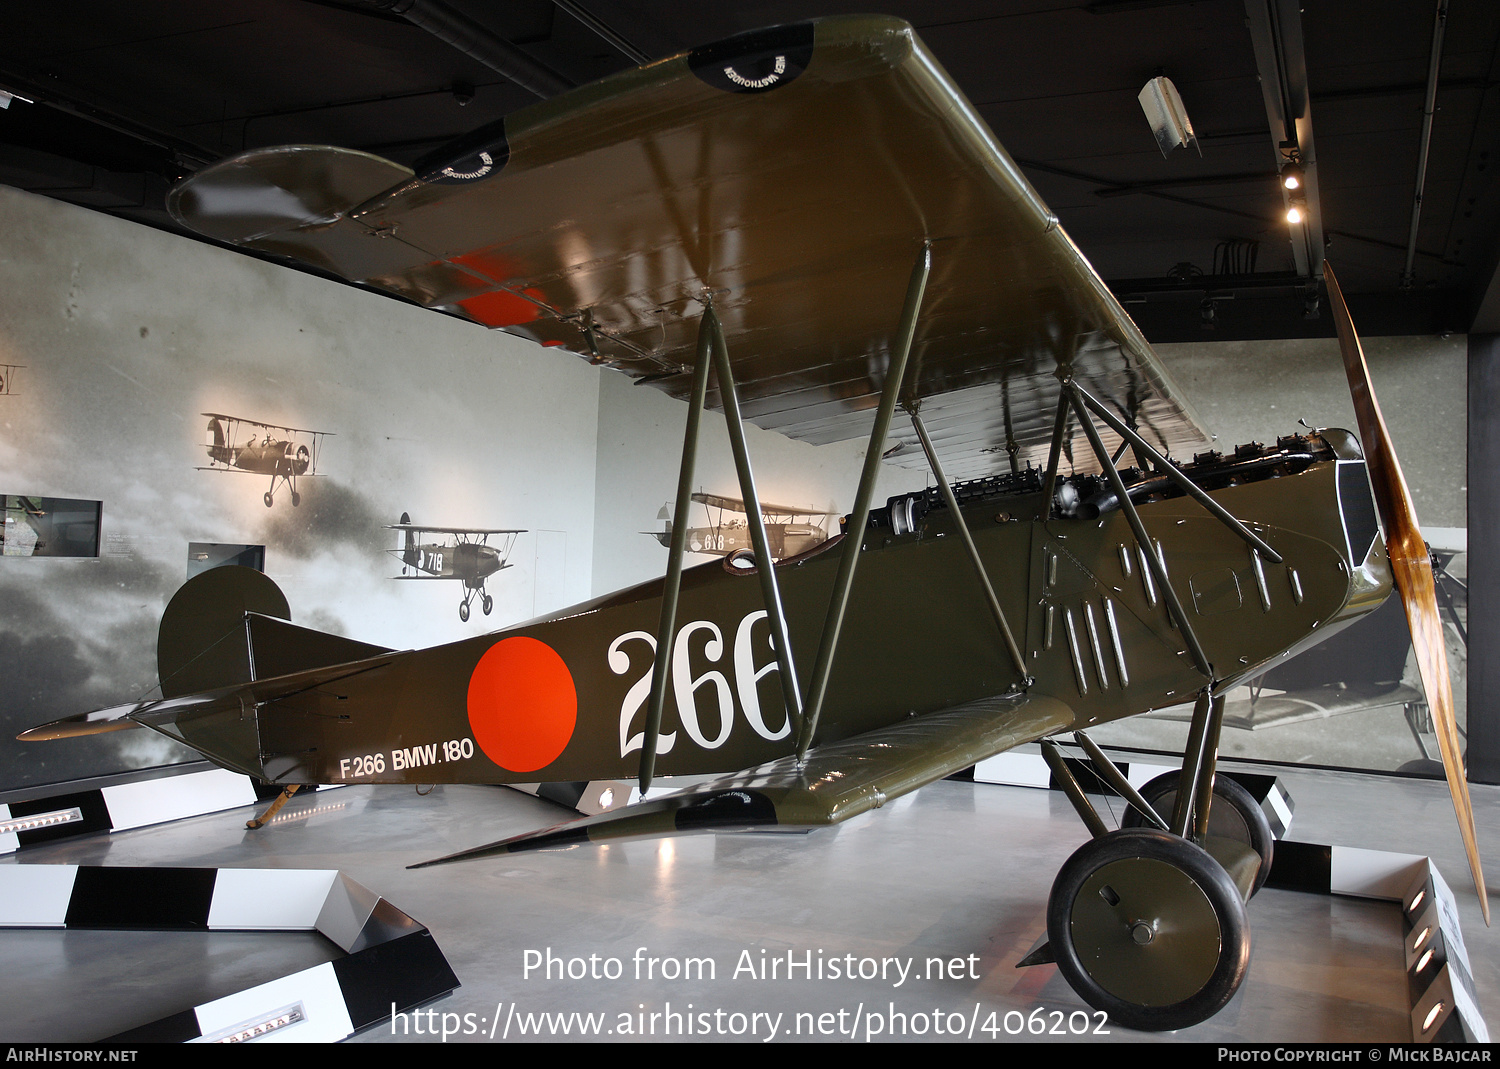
[(522, 704)]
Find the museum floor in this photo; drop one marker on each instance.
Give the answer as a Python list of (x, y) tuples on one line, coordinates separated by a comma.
[(957, 871)]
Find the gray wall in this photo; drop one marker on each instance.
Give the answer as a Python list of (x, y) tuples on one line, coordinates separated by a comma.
[(1258, 390)]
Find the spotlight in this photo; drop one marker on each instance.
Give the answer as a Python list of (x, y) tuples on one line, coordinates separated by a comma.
[(1291, 175)]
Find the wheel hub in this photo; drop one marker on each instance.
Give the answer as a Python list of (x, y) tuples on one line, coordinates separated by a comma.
[(1158, 961)]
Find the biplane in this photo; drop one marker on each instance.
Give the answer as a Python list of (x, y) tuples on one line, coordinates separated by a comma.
[(468, 558), (284, 459), (813, 220), (789, 530)]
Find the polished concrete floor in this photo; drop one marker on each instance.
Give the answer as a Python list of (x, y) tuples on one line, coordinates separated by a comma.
[(957, 872)]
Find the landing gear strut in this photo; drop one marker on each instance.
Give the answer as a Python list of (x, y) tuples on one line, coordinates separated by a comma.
[(1147, 923), (1235, 815)]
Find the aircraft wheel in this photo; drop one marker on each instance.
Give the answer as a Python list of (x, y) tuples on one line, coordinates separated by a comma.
[(267, 498), (487, 604), (1148, 928), (463, 611), (1235, 814), (296, 499)]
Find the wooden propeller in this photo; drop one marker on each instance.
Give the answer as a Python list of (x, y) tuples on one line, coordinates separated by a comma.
[(1411, 568)]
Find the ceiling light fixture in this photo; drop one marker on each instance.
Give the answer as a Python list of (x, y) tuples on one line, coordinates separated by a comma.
[(1168, 118), (1293, 183)]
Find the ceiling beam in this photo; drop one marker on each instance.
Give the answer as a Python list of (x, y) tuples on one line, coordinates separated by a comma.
[(459, 31), (1276, 33)]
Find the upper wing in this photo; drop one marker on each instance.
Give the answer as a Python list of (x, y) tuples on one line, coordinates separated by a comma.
[(268, 426), (839, 780), (734, 504), (417, 527), (719, 501), (791, 175)]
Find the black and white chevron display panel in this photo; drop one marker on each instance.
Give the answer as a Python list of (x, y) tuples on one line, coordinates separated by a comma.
[(391, 960), (122, 806)]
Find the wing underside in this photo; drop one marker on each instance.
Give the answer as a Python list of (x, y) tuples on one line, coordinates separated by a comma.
[(791, 176), (839, 781)]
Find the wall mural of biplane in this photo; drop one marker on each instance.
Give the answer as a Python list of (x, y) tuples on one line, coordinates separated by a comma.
[(286, 454), (790, 531), (1055, 597), (464, 555)]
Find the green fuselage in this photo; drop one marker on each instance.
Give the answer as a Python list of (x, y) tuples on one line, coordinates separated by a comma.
[(918, 638)]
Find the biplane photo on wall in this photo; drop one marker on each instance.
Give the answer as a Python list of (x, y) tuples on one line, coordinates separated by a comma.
[(462, 554), (790, 531), (286, 454)]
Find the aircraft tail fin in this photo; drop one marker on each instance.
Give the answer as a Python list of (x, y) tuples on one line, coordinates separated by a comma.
[(229, 626), (225, 639), (409, 546), (840, 780)]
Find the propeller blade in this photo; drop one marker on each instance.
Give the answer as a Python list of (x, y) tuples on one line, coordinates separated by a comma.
[(1411, 569)]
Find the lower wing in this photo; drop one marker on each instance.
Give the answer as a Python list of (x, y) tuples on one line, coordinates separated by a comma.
[(838, 781)]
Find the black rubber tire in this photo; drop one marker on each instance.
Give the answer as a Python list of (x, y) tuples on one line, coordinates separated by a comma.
[(267, 498), (1242, 819), (296, 499), (1197, 944), (463, 611), (487, 604)]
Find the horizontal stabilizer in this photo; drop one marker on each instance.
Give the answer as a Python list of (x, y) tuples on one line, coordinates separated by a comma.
[(839, 780), (163, 713), (280, 648)]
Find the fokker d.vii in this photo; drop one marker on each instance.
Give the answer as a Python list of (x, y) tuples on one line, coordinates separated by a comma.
[(284, 459), (468, 558), (789, 531), (816, 215)]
